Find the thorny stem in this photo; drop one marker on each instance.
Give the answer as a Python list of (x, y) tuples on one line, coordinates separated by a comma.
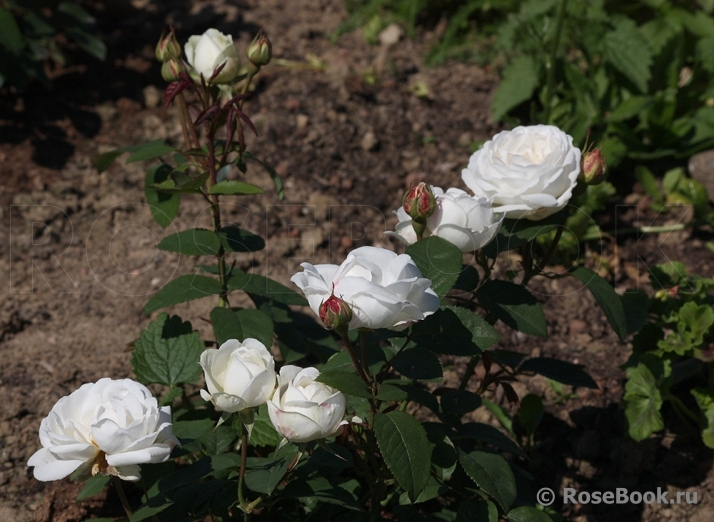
[(471, 366), (186, 118), (553, 246), (355, 361), (363, 350), (122, 496)]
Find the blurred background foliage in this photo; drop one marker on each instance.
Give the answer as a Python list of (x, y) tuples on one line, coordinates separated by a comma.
[(35, 36)]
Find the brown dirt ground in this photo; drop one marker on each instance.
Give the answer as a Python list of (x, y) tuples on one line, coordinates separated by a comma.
[(77, 248)]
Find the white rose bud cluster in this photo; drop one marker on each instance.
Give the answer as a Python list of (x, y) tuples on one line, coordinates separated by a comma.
[(383, 289), (111, 426), (303, 409), (467, 222), (528, 172), (238, 375), (206, 52)]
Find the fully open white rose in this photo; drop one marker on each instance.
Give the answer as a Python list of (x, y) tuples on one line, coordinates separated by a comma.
[(528, 172), (112, 426), (206, 52), (302, 409), (466, 221), (238, 375), (383, 289)]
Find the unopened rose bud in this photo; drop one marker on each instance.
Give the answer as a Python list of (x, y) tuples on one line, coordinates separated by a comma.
[(335, 313), (168, 47), (419, 202), (171, 69), (593, 168), (260, 51)]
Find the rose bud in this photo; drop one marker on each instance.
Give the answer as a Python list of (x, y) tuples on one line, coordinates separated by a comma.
[(260, 51), (171, 70), (168, 47), (335, 313), (419, 202), (594, 168)]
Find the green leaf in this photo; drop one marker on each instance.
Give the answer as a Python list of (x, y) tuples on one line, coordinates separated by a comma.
[(10, 35), (163, 206), (459, 402), (468, 279), (420, 396), (93, 486), (454, 331), (515, 306), (347, 382), (235, 188), (439, 261), (518, 84), (241, 325), (236, 239), (264, 286), (637, 306), (492, 474), (491, 435), (560, 371), (149, 151), (443, 452), (167, 352), (418, 363), (390, 392), (142, 151), (531, 413), (606, 297), (192, 242), (480, 510), (644, 401), (181, 183), (627, 50), (182, 289), (190, 430), (527, 514), (631, 107), (320, 489), (265, 480), (705, 401), (405, 447)]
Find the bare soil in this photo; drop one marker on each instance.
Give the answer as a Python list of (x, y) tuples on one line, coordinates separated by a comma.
[(77, 249)]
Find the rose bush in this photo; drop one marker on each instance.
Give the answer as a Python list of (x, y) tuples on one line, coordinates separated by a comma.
[(239, 375), (207, 51), (465, 221), (383, 289), (528, 172), (111, 425), (303, 409)]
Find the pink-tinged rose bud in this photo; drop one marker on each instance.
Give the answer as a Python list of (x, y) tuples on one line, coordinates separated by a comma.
[(171, 70), (593, 168), (419, 202), (260, 51), (335, 313), (168, 47)]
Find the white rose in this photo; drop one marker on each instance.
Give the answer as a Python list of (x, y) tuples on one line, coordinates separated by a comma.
[(529, 172), (206, 52), (467, 222), (110, 425), (384, 290), (238, 375), (302, 409)]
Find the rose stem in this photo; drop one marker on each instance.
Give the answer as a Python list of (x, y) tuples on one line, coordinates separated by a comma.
[(243, 461), (122, 496), (355, 361), (550, 82), (363, 350)]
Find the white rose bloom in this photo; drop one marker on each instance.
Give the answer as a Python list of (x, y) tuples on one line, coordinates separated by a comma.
[(110, 425), (302, 409), (206, 52), (238, 375), (384, 290), (466, 221), (529, 172)]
